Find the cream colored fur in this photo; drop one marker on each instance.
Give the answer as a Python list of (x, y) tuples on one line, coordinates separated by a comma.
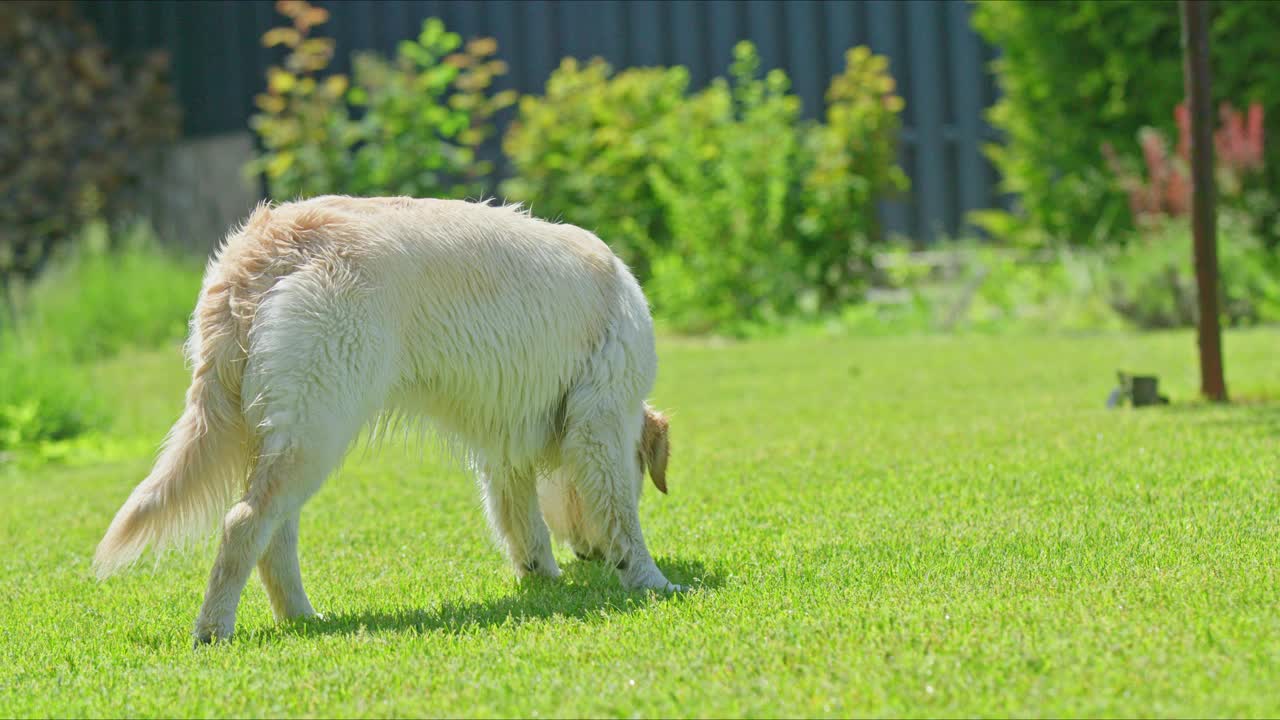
[(528, 343)]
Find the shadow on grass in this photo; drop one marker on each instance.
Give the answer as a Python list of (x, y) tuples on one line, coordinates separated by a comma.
[(586, 591), (1244, 413)]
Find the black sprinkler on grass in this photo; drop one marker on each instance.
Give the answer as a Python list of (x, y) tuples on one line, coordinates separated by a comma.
[(1139, 390)]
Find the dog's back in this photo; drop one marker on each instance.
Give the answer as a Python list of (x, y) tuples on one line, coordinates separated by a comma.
[(488, 315)]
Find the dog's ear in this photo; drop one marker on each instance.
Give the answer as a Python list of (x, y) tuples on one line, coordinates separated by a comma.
[(654, 447)]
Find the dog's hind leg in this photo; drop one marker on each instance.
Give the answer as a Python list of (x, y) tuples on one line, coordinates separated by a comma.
[(319, 366), (281, 575), (511, 501), (293, 464), (246, 532)]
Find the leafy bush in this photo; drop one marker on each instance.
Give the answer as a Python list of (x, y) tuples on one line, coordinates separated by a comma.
[(77, 128), (1146, 282), (729, 190), (1151, 281), (42, 398), (970, 286), (1161, 189), (854, 165), (110, 294), (95, 301), (581, 151), (407, 127), (730, 209), (1062, 291), (1112, 68)]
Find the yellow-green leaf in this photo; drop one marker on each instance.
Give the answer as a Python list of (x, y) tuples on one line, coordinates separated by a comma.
[(279, 164), (482, 46), (281, 36), (280, 81), (335, 85), (269, 103)]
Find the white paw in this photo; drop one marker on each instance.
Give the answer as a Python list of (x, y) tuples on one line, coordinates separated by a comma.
[(207, 633), (650, 578), (542, 568)]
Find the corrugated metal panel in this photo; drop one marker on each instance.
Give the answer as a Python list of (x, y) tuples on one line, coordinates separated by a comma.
[(940, 64)]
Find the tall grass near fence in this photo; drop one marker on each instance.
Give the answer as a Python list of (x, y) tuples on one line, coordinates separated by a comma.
[(107, 294)]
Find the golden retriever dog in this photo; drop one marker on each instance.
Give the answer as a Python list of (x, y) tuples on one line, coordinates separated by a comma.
[(527, 343)]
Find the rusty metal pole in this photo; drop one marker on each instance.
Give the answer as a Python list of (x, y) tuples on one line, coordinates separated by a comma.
[(1195, 70)]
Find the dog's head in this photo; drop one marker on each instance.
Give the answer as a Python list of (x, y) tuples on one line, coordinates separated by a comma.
[(654, 447)]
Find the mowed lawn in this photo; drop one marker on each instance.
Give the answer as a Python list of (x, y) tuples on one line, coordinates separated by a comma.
[(927, 526)]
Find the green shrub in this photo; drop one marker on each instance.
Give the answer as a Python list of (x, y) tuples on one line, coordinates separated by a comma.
[(1013, 292), (854, 165), (43, 398), (731, 210), (106, 296), (94, 301), (1146, 282), (1151, 281), (729, 190), (1150, 278), (1075, 74), (581, 152), (421, 118), (970, 286), (79, 130)]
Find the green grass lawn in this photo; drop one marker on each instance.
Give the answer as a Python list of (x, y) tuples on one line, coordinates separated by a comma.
[(928, 526)]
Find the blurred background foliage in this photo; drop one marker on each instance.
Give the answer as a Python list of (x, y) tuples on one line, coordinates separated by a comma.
[(107, 293), (739, 216), (706, 194), (1076, 75), (407, 126), (80, 131)]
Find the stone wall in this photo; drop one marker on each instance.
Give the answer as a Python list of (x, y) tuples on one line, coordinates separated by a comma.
[(199, 191)]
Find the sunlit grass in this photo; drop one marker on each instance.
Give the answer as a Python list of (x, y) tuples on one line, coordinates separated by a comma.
[(920, 526)]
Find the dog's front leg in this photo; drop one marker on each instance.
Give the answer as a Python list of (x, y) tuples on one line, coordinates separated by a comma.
[(511, 501), (619, 519), (607, 480), (562, 510)]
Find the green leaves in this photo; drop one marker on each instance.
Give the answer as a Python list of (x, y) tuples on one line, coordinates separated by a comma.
[(423, 113), (730, 210), (728, 206), (1075, 75), (581, 152), (80, 131)]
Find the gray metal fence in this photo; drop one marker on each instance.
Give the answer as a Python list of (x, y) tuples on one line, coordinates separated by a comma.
[(941, 66)]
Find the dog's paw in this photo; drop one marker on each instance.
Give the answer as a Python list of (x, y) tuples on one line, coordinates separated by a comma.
[(208, 633), (646, 577), (537, 568), (588, 554), (666, 588), (203, 639)]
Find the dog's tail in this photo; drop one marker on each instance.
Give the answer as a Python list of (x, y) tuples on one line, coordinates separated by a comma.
[(654, 447), (204, 457)]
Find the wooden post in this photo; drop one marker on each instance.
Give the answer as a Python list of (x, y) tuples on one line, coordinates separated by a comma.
[(1195, 56)]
